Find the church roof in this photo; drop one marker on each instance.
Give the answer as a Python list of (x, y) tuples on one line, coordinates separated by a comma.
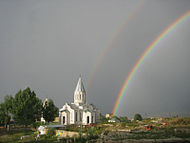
[(80, 86), (73, 106), (85, 107)]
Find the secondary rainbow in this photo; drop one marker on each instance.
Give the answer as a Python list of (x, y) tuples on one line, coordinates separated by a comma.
[(123, 90), (120, 28)]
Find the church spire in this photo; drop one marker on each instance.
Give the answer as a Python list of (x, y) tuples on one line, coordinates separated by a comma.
[(80, 93), (80, 86)]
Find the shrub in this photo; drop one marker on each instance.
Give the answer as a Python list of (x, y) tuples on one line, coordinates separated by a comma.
[(92, 133), (36, 124), (50, 132), (123, 124), (123, 119), (138, 117)]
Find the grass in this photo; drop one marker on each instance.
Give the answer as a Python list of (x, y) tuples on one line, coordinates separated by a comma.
[(161, 134), (14, 135), (175, 128)]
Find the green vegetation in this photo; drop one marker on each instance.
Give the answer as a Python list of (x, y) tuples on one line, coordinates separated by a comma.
[(26, 107), (162, 128), (23, 111), (104, 119), (138, 117), (15, 135), (92, 133), (50, 111), (50, 132), (5, 111), (123, 119)]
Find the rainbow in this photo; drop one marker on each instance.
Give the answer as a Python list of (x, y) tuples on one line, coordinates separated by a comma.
[(113, 40), (125, 85)]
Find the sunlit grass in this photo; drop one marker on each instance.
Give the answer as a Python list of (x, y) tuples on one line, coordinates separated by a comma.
[(174, 128)]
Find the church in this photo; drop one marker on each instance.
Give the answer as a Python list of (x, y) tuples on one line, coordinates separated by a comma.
[(79, 112)]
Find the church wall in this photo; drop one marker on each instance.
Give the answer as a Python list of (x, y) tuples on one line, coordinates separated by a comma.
[(69, 117), (76, 109), (64, 114), (72, 121), (97, 116), (93, 117), (85, 115), (76, 116)]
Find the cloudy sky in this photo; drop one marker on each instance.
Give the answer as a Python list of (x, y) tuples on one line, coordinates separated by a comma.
[(47, 45)]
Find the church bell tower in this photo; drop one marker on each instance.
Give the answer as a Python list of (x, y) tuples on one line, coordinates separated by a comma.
[(80, 93)]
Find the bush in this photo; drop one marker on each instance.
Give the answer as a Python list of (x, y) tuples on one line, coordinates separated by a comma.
[(123, 124), (138, 117), (104, 119), (123, 119), (36, 124), (50, 132), (92, 133)]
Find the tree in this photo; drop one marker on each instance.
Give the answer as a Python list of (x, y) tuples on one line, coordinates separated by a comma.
[(5, 111), (50, 111), (92, 133), (138, 117), (8, 100), (4, 117), (115, 117), (123, 119), (103, 119), (26, 107)]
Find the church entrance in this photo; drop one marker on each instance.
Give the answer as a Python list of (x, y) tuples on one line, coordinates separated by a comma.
[(63, 119), (88, 120)]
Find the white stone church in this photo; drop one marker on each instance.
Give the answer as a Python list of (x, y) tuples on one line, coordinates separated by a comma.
[(79, 112)]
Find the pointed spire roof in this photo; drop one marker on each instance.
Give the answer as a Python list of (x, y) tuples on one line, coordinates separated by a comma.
[(80, 86)]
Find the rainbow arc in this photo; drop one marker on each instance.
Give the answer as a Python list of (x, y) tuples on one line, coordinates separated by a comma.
[(128, 79), (113, 39)]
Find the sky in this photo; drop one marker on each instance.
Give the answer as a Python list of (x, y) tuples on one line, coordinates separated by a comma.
[(46, 45)]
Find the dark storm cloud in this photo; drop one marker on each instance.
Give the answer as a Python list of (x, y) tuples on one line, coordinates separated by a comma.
[(46, 45)]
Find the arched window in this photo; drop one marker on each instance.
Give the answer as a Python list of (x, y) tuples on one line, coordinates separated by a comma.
[(92, 120), (80, 116), (76, 116)]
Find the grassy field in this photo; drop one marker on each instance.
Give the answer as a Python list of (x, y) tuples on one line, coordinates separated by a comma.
[(162, 128), (14, 136)]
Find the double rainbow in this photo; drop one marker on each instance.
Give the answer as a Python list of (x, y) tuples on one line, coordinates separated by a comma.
[(123, 90), (113, 39)]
